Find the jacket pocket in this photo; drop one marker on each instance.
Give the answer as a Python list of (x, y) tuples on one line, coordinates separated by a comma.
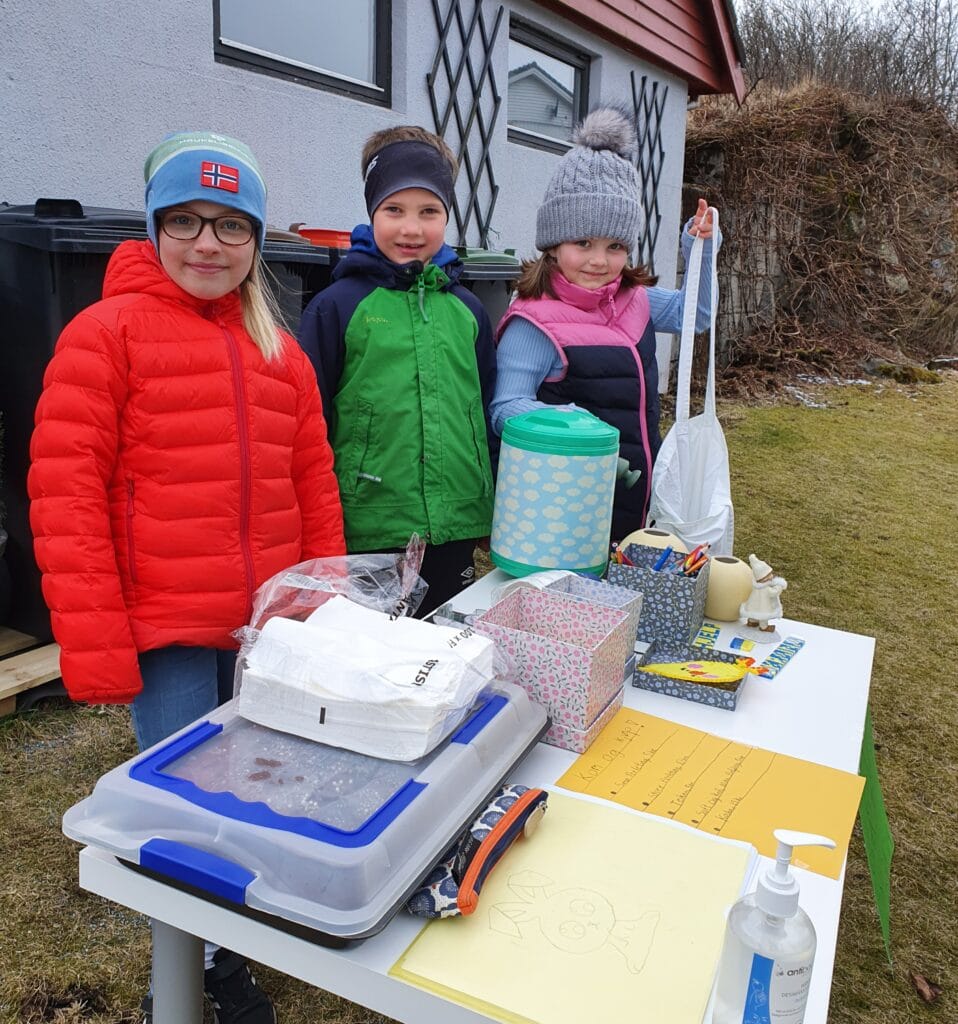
[(356, 449), (130, 543), (481, 444), (466, 473)]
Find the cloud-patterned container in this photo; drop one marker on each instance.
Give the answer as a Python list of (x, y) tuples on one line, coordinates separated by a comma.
[(673, 607), (554, 492), (569, 656)]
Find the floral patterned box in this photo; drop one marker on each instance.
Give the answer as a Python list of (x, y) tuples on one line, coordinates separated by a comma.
[(673, 606), (569, 655), (719, 695), (600, 592), (579, 740)]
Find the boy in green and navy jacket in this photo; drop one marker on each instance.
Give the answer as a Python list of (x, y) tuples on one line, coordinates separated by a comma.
[(406, 367)]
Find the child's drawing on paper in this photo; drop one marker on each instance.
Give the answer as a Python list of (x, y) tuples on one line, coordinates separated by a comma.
[(574, 920)]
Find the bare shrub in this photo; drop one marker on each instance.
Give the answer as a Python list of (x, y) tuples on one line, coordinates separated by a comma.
[(840, 215), (905, 48)]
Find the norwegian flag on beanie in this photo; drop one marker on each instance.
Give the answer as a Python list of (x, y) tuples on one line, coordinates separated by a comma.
[(219, 176), (188, 166)]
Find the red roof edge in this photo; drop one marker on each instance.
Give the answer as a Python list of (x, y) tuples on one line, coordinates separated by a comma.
[(723, 14)]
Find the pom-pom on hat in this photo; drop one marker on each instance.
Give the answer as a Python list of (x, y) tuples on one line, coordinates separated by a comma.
[(594, 192), (204, 165), (760, 569)]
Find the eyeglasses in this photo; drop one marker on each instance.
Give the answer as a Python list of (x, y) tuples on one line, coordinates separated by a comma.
[(184, 226)]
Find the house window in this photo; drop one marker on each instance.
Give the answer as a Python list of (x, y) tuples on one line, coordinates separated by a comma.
[(548, 87), (333, 45)]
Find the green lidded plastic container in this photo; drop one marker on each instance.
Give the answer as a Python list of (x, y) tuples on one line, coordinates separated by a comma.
[(554, 492)]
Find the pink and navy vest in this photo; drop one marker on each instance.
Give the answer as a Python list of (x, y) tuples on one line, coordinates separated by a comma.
[(607, 346)]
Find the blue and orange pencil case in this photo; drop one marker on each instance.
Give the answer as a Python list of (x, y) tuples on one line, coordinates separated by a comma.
[(452, 888)]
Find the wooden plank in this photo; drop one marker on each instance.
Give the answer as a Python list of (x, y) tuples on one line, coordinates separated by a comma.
[(7, 706), (23, 671), (11, 640)]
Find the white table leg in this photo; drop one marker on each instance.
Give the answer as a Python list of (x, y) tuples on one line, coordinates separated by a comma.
[(177, 976)]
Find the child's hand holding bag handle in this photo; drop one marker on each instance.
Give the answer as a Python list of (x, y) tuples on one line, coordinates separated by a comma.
[(691, 492)]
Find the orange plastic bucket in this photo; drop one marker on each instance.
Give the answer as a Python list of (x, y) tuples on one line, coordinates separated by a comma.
[(323, 236)]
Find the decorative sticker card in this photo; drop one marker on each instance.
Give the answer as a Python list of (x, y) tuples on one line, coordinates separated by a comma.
[(601, 915), (720, 787)]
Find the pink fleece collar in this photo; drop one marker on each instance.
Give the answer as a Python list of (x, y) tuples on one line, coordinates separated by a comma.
[(584, 298)]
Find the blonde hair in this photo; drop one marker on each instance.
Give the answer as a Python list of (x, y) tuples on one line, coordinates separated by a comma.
[(535, 279), (406, 133), (262, 317)]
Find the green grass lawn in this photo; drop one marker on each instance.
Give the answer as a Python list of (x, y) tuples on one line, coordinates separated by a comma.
[(855, 504)]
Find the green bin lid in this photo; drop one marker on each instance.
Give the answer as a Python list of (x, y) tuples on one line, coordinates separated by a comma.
[(561, 432), (471, 256)]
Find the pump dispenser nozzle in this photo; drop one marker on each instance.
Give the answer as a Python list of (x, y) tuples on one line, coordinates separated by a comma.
[(777, 890)]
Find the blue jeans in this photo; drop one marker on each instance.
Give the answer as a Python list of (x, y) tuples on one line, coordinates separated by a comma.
[(180, 684)]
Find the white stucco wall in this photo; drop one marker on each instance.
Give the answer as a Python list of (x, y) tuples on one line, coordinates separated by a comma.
[(90, 86)]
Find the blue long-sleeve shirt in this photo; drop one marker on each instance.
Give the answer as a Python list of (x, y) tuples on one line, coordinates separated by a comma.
[(526, 355)]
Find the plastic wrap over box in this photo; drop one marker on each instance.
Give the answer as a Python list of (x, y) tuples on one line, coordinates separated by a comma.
[(673, 606), (599, 592), (716, 695), (569, 655)]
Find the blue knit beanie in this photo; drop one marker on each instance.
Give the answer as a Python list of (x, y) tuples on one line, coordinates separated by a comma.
[(204, 165)]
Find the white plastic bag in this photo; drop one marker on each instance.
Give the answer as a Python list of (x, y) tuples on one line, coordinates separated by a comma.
[(691, 491), (352, 677)]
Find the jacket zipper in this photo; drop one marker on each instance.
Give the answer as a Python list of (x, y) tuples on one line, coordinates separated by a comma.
[(131, 548), (242, 428), (422, 299)]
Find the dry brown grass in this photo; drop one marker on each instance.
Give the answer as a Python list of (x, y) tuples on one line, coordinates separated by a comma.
[(854, 504)]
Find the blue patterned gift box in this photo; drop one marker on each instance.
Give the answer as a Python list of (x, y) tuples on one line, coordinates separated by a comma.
[(673, 606), (725, 696)]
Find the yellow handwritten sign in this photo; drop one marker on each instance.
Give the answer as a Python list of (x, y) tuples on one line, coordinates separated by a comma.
[(723, 788)]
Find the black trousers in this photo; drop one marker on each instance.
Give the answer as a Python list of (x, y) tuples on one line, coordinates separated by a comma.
[(448, 569)]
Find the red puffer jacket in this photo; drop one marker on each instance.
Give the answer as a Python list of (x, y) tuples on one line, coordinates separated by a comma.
[(174, 470)]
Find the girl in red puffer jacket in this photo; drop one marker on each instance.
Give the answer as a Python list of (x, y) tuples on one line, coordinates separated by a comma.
[(180, 457)]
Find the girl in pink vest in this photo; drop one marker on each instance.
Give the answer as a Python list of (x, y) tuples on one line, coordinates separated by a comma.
[(582, 330)]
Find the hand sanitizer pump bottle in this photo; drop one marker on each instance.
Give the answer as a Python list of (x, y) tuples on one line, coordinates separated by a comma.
[(766, 964)]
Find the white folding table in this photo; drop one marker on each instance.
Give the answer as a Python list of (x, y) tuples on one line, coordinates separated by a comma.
[(814, 709)]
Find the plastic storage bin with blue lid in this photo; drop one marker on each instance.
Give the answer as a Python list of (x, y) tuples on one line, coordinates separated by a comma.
[(325, 840)]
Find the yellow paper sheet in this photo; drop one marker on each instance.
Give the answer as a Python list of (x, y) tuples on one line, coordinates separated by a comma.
[(723, 788), (602, 915)]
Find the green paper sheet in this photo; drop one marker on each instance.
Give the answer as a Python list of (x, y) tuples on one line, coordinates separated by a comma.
[(876, 833)]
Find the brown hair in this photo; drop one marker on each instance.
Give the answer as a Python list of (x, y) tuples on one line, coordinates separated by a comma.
[(535, 280), (406, 133)]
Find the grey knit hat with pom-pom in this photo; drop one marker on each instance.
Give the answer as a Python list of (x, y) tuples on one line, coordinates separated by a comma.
[(594, 192)]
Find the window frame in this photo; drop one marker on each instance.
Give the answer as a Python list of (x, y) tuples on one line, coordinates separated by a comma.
[(380, 93), (552, 45)]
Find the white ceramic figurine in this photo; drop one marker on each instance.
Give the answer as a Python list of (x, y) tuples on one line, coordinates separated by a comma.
[(764, 602)]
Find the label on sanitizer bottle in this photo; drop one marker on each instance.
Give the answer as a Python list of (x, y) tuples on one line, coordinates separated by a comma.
[(777, 991)]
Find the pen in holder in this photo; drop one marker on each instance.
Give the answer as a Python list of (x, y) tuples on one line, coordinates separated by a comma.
[(673, 605)]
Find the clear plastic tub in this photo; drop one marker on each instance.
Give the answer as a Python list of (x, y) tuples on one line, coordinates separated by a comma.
[(327, 839)]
